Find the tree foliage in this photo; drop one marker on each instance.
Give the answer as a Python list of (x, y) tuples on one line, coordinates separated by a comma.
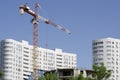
[(80, 77), (49, 76), (1, 73), (100, 72)]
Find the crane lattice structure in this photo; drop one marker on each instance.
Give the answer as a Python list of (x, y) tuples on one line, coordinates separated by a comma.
[(36, 16)]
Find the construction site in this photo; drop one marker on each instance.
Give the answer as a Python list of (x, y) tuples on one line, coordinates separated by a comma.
[(32, 54), (59, 40)]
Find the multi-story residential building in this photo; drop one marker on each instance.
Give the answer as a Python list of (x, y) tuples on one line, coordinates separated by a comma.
[(16, 59), (107, 51)]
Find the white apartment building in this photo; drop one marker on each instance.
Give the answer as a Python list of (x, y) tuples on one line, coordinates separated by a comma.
[(16, 59), (107, 51)]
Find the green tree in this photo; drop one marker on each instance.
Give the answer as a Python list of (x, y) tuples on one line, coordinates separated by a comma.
[(100, 72), (42, 78), (80, 77), (49, 76), (1, 73)]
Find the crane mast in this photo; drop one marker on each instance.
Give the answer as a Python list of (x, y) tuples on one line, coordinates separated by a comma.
[(35, 45), (35, 38), (36, 16)]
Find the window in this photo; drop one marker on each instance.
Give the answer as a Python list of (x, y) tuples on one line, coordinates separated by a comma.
[(108, 50), (100, 58), (95, 51), (116, 63), (112, 50), (108, 46), (108, 42), (100, 50), (108, 63), (112, 46), (108, 54), (112, 42), (109, 58), (97, 43), (100, 54), (100, 46), (26, 48)]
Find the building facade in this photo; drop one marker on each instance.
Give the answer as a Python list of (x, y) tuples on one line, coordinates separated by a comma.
[(16, 59), (107, 51)]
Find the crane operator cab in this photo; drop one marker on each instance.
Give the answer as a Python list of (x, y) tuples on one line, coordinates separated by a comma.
[(22, 8)]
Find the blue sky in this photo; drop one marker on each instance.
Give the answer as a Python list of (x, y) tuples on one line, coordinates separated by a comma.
[(86, 19)]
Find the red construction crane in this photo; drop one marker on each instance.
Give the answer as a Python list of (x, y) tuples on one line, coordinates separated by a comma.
[(36, 16)]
